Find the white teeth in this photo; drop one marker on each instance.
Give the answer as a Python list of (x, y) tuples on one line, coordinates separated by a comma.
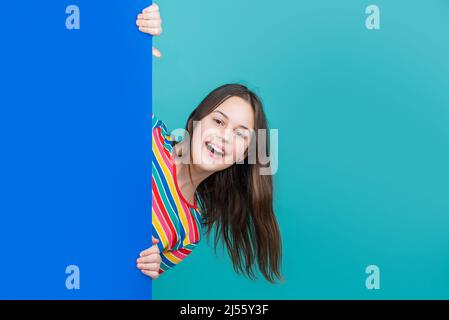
[(214, 148)]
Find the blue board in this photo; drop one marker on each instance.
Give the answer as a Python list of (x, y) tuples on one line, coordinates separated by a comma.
[(75, 112)]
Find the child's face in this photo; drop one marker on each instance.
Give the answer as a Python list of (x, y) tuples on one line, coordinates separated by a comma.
[(222, 137)]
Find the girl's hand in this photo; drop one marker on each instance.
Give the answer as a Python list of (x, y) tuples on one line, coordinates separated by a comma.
[(149, 21), (150, 260)]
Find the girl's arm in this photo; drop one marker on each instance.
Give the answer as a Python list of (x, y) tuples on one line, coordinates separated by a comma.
[(149, 21), (171, 258)]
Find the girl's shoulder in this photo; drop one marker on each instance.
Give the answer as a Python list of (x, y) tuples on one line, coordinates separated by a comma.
[(159, 128), (158, 123)]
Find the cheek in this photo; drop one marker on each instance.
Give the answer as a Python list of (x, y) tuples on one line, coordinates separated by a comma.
[(196, 144)]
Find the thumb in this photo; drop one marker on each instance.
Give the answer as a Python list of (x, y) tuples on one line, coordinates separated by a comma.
[(156, 53), (154, 240)]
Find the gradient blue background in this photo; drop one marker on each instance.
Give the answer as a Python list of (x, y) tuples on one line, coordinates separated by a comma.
[(363, 123), (75, 112)]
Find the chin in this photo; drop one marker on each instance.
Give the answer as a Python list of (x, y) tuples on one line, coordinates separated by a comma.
[(211, 167)]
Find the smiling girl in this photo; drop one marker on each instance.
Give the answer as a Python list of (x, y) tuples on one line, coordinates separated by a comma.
[(206, 181)]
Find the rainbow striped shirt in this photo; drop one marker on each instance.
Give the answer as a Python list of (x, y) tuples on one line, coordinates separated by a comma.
[(175, 222)]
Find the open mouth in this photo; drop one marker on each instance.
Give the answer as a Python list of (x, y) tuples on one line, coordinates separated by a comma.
[(215, 150)]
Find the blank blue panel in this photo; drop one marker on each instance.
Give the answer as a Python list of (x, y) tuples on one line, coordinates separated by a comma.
[(75, 112)]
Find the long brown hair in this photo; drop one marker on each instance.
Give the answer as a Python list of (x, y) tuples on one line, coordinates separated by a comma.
[(237, 202)]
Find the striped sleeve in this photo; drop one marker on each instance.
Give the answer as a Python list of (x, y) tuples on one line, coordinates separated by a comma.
[(171, 258)]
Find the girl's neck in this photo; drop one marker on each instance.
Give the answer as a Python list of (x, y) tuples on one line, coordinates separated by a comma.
[(186, 185)]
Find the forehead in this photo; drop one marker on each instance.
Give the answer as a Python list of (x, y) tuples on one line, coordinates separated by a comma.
[(239, 112)]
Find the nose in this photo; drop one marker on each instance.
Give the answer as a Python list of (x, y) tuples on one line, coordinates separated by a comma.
[(224, 136), (219, 140)]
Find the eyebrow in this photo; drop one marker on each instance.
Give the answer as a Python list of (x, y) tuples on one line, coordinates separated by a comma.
[(224, 115)]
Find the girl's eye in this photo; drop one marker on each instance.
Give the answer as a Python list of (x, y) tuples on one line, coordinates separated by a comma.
[(240, 134), (218, 121)]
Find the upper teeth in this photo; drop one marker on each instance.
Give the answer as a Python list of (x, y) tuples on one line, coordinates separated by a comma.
[(216, 148)]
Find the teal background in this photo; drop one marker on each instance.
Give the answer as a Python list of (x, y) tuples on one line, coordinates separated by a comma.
[(364, 139)]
